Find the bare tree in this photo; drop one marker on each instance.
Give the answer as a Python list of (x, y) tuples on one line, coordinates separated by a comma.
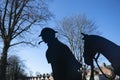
[(17, 19), (15, 68), (70, 28)]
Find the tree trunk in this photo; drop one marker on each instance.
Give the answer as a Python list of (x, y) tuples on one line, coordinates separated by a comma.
[(3, 64)]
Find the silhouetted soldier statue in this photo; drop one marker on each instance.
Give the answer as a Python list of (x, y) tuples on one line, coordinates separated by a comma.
[(64, 64)]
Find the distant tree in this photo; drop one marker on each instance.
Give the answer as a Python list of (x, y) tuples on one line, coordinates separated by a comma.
[(37, 74), (15, 68), (44, 76), (17, 19), (70, 29), (40, 76), (48, 76)]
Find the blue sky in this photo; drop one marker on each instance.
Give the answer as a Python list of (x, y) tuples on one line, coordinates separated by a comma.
[(105, 14)]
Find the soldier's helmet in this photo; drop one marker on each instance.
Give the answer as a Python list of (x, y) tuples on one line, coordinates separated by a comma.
[(47, 32)]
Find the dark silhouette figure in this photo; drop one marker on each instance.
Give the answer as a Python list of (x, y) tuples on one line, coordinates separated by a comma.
[(64, 64), (96, 44)]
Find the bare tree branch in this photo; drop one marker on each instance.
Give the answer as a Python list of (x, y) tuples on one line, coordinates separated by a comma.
[(23, 30), (22, 42)]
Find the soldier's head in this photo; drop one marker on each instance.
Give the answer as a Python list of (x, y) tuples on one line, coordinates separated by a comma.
[(47, 34)]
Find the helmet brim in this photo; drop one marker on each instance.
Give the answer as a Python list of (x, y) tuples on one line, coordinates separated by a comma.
[(47, 31)]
